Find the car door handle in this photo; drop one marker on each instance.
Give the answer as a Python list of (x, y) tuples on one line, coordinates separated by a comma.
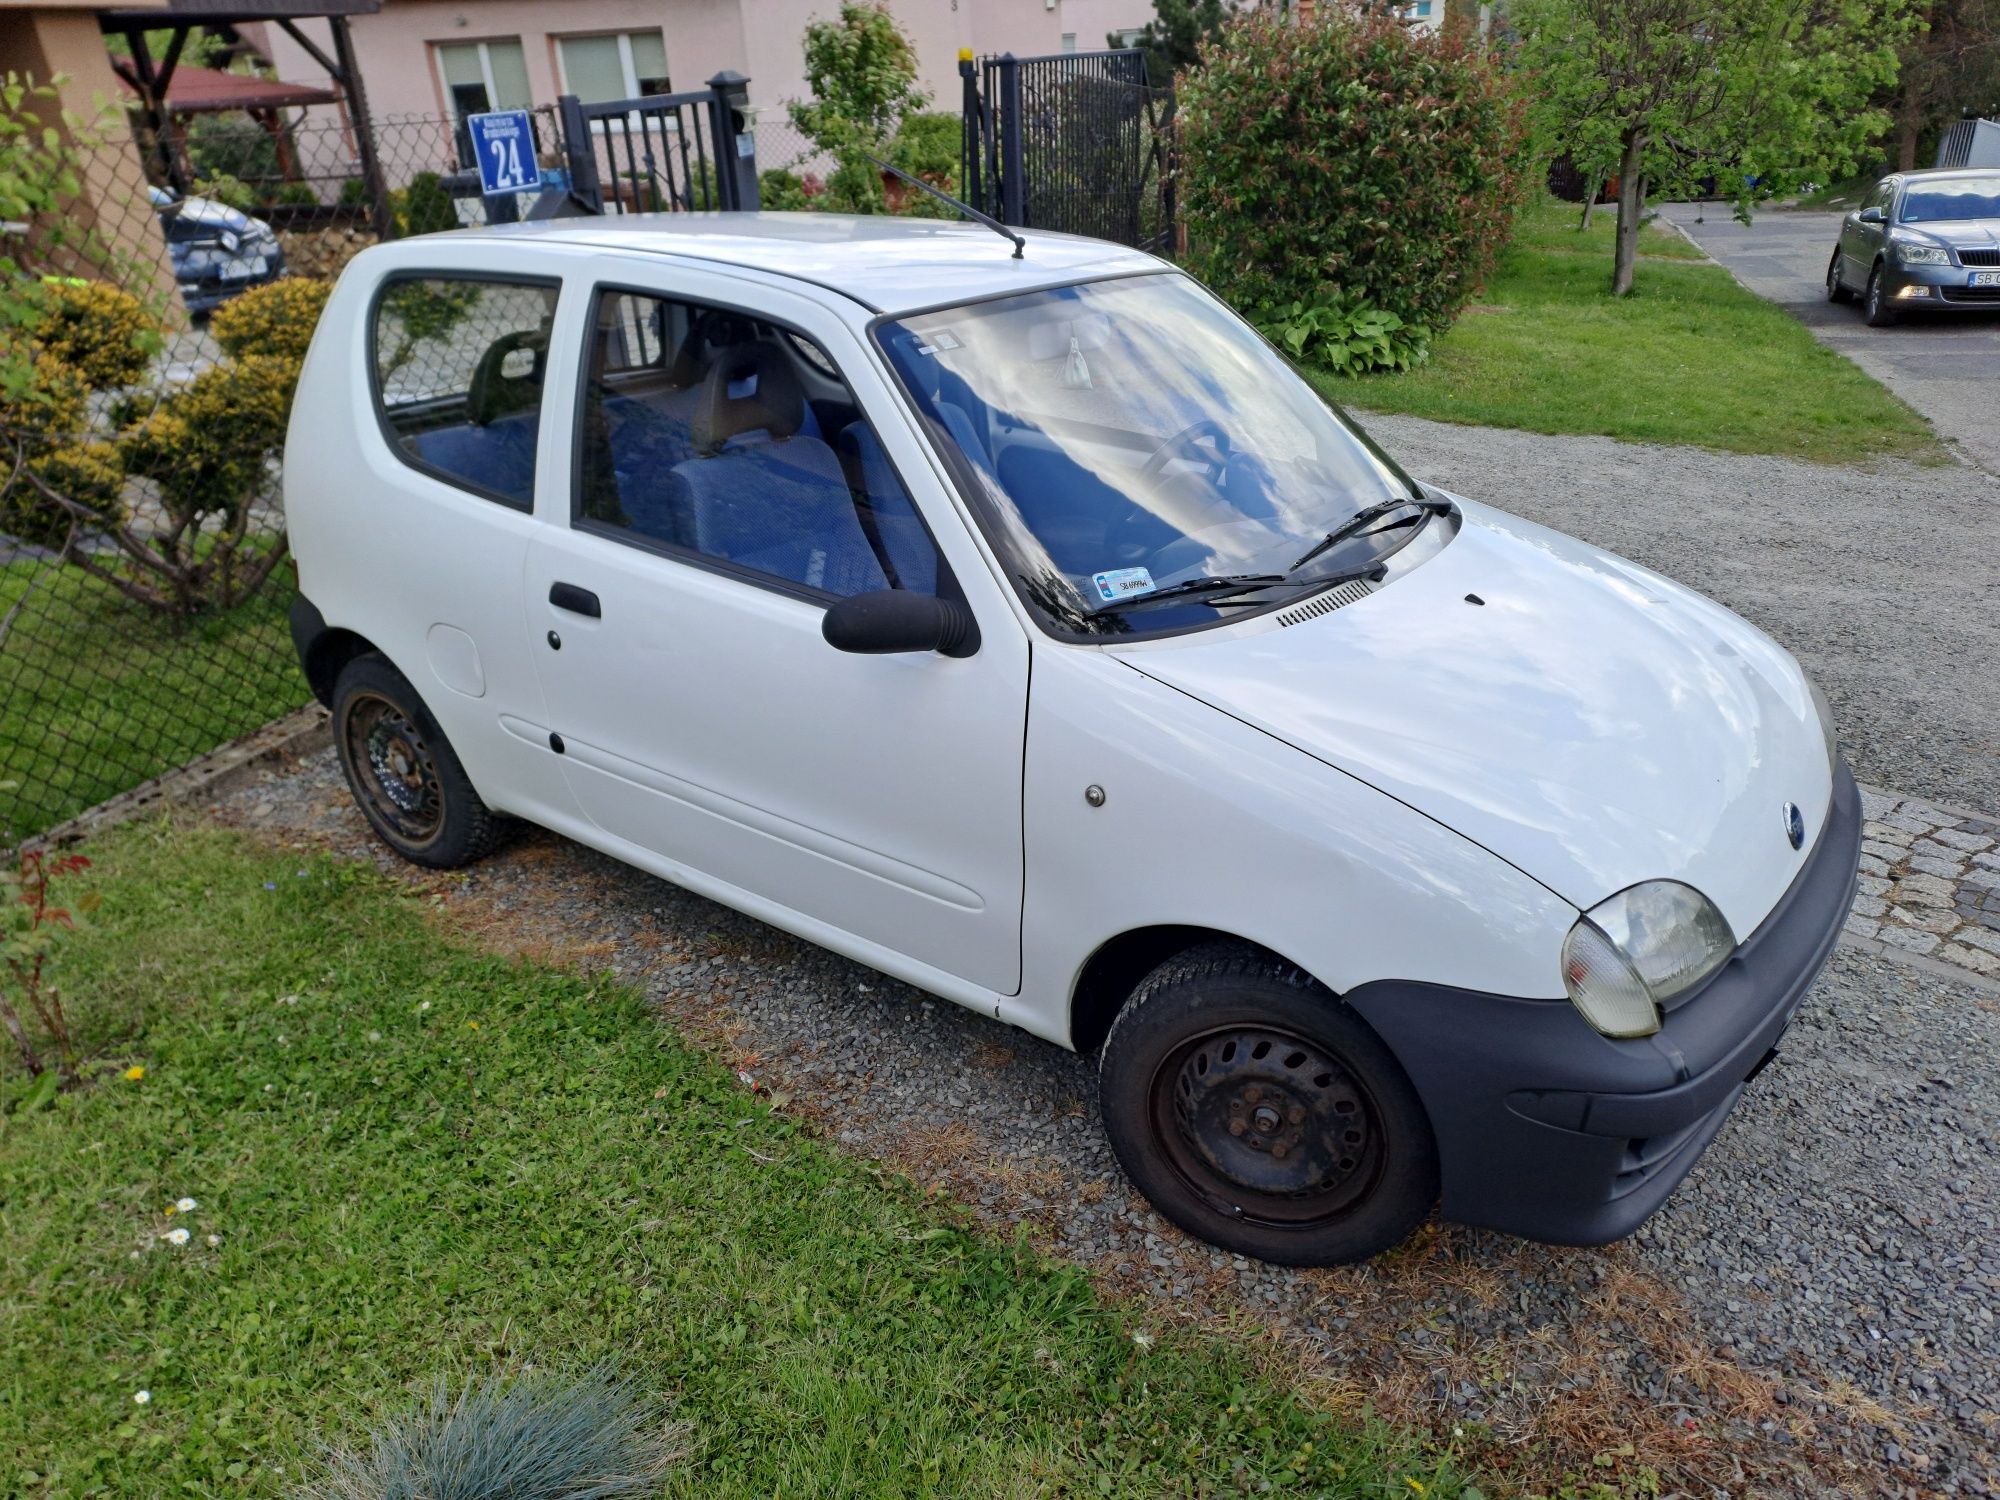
[(577, 601)]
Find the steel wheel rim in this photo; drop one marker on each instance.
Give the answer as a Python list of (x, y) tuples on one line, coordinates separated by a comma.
[(1268, 1127), (394, 770)]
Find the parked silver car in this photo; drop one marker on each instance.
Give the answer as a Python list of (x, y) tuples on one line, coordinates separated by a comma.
[(1925, 241)]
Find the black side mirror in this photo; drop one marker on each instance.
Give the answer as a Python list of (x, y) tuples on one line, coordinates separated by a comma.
[(892, 620), (1873, 216)]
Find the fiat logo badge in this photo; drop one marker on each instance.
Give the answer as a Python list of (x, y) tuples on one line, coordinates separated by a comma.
[(1795, 825)]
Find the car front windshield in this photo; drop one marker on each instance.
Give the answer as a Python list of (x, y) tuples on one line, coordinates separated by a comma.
[(1946, 202), (1145, 462)]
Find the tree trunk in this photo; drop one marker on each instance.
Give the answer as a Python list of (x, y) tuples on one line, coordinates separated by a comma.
[(1631, 203), (1909, 119), (1590, 192)]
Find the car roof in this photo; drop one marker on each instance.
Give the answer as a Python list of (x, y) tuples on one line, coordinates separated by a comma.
[(1933, 174), (888, 264)]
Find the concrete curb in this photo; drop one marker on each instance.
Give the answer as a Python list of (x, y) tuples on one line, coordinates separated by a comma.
[(295, 735)]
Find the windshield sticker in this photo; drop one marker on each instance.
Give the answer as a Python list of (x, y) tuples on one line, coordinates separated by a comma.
[(1122, 583)]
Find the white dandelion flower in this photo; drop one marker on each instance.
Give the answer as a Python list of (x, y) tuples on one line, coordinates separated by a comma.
[(177, 1236), (1143, 1339), (186, 1206), (140, 1398)]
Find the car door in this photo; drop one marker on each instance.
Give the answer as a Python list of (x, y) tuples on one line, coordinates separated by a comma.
[(1866, 239), (734, 472)]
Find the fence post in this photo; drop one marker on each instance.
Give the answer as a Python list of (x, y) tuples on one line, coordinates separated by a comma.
[(1013, 173), (380, 217), (972, 178), (735, 141), (580, 152)]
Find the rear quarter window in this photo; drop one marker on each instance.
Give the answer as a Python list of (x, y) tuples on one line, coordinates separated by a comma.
[(459, 365)]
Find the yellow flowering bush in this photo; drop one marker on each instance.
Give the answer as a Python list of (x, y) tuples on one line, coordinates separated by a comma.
[(208, 445), (276, 320), (102, 332), (91, 474)]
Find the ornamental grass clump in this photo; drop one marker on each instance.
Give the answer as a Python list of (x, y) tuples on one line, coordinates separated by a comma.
[(531, 1438), (1347, 165)]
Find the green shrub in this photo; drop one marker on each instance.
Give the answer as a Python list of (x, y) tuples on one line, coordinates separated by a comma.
[(426, 206), (1352, 338), (277, 319), (101, 332), (1344, 163), (91, 474), (781, 191), (231, 146), (862, 69), (226, 187), (354, 193), (296, 195), (209, 445), (929, 145)]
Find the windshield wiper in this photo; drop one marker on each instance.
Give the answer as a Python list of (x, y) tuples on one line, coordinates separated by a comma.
[(1362, 519), (1226, 583)]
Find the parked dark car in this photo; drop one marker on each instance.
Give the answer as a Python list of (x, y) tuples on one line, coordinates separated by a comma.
[(1922, 241), (217, 250)]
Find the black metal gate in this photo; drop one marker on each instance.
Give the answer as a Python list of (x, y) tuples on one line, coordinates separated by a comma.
[(659, 153), (1078, 142)]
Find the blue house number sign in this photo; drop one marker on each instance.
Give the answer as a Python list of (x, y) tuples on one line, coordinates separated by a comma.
[(504, 144)]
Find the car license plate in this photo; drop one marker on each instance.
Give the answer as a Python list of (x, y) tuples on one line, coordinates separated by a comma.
[(244, 267), (1986, 278)]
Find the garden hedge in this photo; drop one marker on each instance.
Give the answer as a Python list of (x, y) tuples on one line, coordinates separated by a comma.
[(1349, 161)]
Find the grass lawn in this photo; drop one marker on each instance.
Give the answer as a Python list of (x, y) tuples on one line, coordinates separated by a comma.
[(420, 1159), (97, 694), (1690, 357)]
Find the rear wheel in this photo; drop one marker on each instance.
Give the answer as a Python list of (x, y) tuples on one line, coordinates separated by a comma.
[(1836, 290), (1261, 1114), (403, 773), (1875, 303)]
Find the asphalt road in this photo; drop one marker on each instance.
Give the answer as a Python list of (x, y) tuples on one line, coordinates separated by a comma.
[(1947, 366)]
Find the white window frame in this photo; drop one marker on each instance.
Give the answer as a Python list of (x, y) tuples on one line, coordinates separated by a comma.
[(626, 66), (485, 69)]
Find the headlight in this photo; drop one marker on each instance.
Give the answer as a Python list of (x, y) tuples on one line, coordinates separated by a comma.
[(1923, 255), (1825, 711), (1627, 956)]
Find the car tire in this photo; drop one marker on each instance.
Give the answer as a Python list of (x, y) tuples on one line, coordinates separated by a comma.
[(403, 773), (1875, 304), (1836, 290), (1261, 1114)]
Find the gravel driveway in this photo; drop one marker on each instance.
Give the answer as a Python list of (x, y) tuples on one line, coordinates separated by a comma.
[(1885, 581), (1947, 367)]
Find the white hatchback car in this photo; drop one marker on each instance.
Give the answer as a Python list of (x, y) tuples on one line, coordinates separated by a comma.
[(1024, 627)]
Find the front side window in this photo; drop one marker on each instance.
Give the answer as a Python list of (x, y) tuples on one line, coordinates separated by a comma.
[(1137, 452), (1950, 201), (458, 366), (712, 434)]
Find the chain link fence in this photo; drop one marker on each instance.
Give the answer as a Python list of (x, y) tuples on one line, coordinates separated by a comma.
[(143, 581)]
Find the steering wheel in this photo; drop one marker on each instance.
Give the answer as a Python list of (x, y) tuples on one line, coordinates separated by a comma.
[(1165, 454)]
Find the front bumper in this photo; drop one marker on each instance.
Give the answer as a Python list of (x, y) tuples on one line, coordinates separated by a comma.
[(1549, 1130), (1938, 288)]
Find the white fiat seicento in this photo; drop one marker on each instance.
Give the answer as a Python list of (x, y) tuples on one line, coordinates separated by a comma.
[(1024, 627)]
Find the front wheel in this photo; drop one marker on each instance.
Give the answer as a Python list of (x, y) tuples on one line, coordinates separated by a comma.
[(1836, 290), (1261, 1114), (1875, 306), (403, 773)]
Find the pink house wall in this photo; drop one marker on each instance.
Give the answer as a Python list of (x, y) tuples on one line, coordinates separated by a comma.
[(759, 38)]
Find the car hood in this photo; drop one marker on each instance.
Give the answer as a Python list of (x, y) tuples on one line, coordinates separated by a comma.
[(1590, 722), (1961, 234), (211, 214)]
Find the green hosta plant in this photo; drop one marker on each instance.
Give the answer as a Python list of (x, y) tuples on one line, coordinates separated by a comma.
[(1351, 337)]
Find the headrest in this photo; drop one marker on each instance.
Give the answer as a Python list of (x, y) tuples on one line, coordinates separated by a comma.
[(707, 330), (750, 388)]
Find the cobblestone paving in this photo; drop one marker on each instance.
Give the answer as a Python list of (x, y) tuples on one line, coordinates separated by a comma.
[(1930, 882)]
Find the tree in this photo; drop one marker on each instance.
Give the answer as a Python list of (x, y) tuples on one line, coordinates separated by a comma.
[(1950, 69), (1761, 94), (862, 71), (1172, 39)]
